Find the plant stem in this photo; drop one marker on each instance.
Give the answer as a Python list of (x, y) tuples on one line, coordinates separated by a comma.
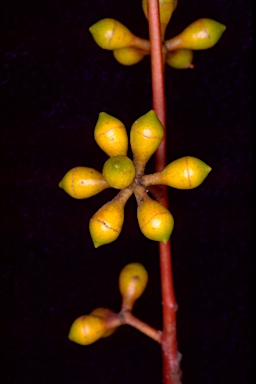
[(130, 319), (171, 357)]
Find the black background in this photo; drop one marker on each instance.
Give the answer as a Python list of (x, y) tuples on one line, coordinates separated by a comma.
[(55, 81)]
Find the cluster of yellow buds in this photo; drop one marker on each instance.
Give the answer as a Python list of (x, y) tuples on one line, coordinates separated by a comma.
[(126, 175), (129, 49), (102, 322)]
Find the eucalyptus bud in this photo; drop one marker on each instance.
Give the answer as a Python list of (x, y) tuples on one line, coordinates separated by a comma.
[(110, 135), (155, 221), (83, 182), (129, 55), (132, 283), (202, 34), (185, 173), (146, 135), (118, 171), (110, 34), (87, 329), (106, 224), (180, 59), (166, 8), (104, 313)]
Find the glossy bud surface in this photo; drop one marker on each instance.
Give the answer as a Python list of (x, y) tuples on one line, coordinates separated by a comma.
[(202, 34), (185, 173), (146, 135), (110, 135), (155, 221), (128, 56), (118, 171), (110, 34), (87, 329), (83, 182), (132, 283), (180, 59), (106, 224)]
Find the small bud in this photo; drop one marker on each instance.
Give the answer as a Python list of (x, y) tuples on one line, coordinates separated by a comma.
[(185, 173), (118, 171), (202, 34), (132, 283), (110, 135), (166, 8), (180, 59), (146, 135), (87, 329), (128, 56), (104, 313), (106, 224), (83, 182), (110, 34), (155, 221)]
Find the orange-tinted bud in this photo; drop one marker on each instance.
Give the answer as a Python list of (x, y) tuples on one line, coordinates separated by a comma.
[(104, 313), (118, 171), (146, 135), (202, 34), (128, 56), (110, 34), (83, 182), (110, 135), (87, 329), (132, 283), (106, 224), (166, 8), (180, 59), (155, 221)]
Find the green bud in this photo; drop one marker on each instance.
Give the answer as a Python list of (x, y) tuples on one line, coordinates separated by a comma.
[(118, 171)]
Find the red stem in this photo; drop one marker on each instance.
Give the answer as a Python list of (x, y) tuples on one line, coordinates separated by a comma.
[(171, 357)]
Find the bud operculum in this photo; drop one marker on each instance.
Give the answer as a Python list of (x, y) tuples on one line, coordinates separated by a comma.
[(110, 135), (132, 283), (83, 182)]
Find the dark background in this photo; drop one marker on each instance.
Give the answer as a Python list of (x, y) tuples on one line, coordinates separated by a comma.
[(55, 81)]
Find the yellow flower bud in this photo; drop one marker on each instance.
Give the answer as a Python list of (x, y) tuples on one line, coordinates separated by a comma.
[(87, 329), (132, 283), (166, 8), (155, 221), (110, 135), (83, 182), (202, 34), (110, 34), (106, 224), (129, 55), (185, 173), (104, 313), (180, 59), (118, 171), (146, 135)]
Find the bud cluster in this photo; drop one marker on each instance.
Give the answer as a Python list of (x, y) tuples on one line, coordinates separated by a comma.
[(129, 49), (102, 322), (120, 172)]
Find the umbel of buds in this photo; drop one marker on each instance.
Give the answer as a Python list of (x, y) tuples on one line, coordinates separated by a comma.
[(120, 172), (129, 49), (102, 322)]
